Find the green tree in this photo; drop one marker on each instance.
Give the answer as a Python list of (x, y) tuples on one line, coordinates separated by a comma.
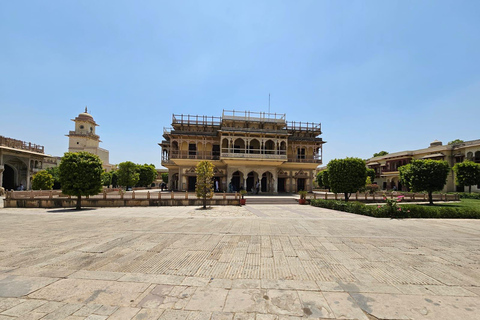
[(106, 178), (114, 178), (326, 184), (322, 178), (147, 174), (165, 177), (346, 175), (456, 141), (127, 174), (371, 174), (425, 175), (55, 172), (81, 175), (379, 154), (204, 186), (42, 181), (467, 174)]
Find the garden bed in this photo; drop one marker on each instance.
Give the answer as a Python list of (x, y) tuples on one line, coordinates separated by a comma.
[(397, 211)]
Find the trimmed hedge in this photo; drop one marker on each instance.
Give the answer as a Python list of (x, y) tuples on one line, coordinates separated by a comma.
[(469, 196), (407, 211)]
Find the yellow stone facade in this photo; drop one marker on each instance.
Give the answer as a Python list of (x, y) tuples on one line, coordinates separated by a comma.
[(84, 138), (246, 148), (386, 167)]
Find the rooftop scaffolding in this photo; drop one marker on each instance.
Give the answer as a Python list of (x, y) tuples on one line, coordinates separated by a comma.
[(187, 119), (304, 126), (253, 116)]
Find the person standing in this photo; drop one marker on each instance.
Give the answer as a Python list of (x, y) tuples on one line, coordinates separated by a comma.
[(257, 186)]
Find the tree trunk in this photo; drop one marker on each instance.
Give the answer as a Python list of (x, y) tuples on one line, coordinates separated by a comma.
[(346, 196), (469, 189), (430, 197), (79, 203), (204, 198)]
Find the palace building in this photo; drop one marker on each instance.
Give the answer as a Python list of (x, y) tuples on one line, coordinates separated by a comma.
[(246, 148), (19, 161), (386, 167), (84, 138)]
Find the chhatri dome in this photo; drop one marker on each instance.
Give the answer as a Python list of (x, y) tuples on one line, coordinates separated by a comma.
[(84, 138)]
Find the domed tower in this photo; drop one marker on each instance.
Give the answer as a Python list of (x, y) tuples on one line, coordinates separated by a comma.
[(85, 139)]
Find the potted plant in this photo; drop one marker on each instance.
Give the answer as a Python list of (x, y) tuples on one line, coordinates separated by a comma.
[(243, 200), (303, 196)]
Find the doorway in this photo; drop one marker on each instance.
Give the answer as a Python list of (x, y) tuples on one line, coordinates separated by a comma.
[(192, 181), (8, 181), (236, 181), (300, 184), (281, 185)]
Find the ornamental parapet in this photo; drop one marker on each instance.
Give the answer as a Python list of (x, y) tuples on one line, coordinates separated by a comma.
[(18, 144)]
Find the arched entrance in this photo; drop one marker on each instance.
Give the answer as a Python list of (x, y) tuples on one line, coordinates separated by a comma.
[(8, 180), (267, 181), (281, 184), (300, 184), (192, 182), (237, 179), (252, 179)]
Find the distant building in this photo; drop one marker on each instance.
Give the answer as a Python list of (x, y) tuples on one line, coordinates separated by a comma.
[(83, 138), (246, 148), (386, 167), (19, 161)]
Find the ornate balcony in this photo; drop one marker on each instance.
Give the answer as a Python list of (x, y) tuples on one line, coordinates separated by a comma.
[(237, 153), (260, 154)]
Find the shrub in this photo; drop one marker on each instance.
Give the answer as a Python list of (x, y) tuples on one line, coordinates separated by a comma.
[(42, 181), (392, 210), (469, 196)]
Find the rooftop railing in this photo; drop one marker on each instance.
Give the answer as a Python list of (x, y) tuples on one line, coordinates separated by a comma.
[(187, 119), (18, 144), (304, 126), (253, 116)]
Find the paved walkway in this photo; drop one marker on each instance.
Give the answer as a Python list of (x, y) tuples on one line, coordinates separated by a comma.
[(253, 262)]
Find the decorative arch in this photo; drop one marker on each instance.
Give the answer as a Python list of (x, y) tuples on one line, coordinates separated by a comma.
[(269, 147), (254, 146), (239, 145)]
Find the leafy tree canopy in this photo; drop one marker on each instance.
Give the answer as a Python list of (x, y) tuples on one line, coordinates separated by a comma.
[(346, 175), (81, 174), (322, 178), (456, 141), (379, 154), (467, 174), (425, 175), (42, 181), (106, 178), (147, 174), (127, 174), (371, 174), (114, 178), (165, 177), (55, 172), (204, 186)]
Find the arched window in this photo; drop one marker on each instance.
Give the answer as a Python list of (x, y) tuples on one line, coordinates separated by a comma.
[(239, 146), (269, 147), (254, 146)]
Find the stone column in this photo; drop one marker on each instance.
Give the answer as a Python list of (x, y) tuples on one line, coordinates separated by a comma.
[(275, 179), (180, 179), (290, 182), (1, 174)]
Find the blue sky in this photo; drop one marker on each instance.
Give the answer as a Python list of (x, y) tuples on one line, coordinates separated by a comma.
[(378, 75)]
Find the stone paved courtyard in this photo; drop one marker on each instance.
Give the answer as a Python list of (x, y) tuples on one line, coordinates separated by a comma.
[(253, 262)]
